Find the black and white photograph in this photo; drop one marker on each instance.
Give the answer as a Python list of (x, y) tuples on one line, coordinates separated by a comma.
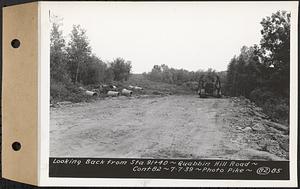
[(170, 80), (150, 93)]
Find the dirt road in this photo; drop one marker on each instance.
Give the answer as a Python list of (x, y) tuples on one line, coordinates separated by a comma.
[(163, 127)]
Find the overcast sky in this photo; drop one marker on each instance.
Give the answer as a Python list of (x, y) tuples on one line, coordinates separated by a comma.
[(191, 35)]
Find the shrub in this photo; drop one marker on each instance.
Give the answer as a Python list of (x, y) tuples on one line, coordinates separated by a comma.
[(57, 91), (60, 91), (275, 106)]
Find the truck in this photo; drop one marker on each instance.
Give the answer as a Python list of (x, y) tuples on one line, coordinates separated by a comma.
[(209, 86)]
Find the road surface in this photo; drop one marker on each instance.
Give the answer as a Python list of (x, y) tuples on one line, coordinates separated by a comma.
[(164, 127)]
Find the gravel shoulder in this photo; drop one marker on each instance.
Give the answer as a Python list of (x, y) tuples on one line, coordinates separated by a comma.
[(182, 126)]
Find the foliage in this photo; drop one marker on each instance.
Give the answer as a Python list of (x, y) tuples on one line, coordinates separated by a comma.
[(93, 71), (79, 53), (261, 73), (275, 106), (275, 49), (74, 65), (66, 92), (58, 56), (165, 74), (244, 73), (121, 69)]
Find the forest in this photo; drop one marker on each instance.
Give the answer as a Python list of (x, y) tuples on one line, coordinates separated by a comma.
[(262, 72), (259, 73)]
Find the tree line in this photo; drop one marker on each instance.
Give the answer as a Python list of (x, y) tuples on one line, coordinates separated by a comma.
[(262, 72), (73, 63), (189, 79)]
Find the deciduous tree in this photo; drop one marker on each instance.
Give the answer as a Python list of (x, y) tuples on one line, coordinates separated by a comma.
[(79, 52)]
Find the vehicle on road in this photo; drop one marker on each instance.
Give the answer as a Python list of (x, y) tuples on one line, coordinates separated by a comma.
[(209, 86)]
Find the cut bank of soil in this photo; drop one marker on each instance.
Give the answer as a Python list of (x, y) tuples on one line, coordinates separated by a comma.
[(162, 127)]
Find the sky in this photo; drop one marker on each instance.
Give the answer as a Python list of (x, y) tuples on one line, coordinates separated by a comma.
[(188, 35)]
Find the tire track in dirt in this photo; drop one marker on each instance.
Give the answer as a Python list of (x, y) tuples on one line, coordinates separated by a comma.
[(154, 127)]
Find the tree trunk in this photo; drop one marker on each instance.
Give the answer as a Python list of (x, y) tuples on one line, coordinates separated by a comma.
[(77, 72)]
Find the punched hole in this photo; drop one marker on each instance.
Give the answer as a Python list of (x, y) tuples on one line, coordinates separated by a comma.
[(15, 43), (16, 146)]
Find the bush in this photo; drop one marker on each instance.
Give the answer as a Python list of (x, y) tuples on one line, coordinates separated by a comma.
[(60, 91), (57, 91), (273, 105), (260, 96)]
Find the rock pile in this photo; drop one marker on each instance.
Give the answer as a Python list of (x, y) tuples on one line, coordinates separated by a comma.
[(258, 131)]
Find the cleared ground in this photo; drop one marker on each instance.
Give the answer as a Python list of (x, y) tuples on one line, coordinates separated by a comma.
[(165, 127)]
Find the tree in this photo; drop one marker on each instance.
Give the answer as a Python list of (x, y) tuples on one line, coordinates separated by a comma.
[(121, 69), (58, 59), (79, 53), (231, 77), (275, 50), (94, 71), (261, 73), (156, 73), (244, 73), (109, 75)]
